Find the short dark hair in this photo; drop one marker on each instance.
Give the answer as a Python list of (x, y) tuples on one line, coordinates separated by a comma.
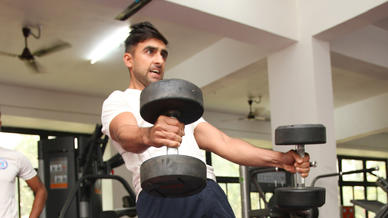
[(141, 32)]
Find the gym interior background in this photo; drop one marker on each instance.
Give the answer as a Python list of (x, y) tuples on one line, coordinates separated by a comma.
[(298, 61)]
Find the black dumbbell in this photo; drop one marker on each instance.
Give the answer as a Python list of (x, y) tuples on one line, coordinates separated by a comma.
[(300, 197), (172, 175)]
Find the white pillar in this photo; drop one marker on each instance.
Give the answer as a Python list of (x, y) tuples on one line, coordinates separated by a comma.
[(301, 92)]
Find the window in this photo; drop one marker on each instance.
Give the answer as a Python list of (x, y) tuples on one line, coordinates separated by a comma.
[(227, 175), (361, 186)]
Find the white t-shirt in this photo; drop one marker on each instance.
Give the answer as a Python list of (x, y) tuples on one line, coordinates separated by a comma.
[(12, 164), (129, 101)]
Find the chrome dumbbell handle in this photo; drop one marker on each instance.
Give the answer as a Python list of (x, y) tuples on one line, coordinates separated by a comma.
[(174, 114), (172, 151), (298, 178)]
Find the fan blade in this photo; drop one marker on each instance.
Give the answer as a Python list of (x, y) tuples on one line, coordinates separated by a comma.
[(33, 65), (54, 48), (8, 54)]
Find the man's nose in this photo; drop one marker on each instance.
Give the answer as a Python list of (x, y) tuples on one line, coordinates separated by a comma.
[(159, 59)]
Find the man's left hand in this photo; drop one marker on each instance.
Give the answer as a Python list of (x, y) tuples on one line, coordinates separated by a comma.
[(294, 163)]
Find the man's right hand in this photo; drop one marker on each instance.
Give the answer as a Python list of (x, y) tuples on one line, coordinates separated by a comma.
[(167, 131)]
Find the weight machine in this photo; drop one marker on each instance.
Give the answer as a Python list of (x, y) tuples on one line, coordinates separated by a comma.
[(267, 179), (72, 172), (380, 209), (262, 180)]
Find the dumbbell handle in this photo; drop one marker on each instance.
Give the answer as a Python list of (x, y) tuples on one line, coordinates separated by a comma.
[(298, 178), (174, 114), (172, 151)]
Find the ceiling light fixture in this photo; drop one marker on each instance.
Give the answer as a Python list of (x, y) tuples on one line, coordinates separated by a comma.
[(132, 9), (109, 44)]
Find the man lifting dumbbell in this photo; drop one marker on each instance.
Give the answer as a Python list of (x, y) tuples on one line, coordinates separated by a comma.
[(139, 141)]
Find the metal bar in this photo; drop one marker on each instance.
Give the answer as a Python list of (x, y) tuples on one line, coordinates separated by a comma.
[(244, 187), (298, 178), (19, 208), (343, 173), (41, 174)]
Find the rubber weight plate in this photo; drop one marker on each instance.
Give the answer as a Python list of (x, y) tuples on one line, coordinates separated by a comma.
[(159, 98), (299, 198), (173, 176), (300, 134)]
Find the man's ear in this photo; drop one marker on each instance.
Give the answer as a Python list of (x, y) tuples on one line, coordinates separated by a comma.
[(128, 59)]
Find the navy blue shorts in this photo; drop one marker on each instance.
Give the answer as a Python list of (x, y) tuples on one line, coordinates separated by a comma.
[(211, 202)]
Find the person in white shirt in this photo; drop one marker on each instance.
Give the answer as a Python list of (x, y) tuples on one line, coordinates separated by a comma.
[(137, 140), (14, 164)]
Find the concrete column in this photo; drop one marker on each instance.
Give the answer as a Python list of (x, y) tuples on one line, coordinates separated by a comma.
[(301, 92)]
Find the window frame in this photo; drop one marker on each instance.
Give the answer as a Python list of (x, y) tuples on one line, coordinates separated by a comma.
[(365, 183)]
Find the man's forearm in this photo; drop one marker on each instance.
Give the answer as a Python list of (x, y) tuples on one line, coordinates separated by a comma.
[(250, 155), (132, 138), (39, 202)]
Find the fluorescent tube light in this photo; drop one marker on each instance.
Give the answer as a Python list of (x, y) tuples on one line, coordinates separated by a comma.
[(109, 44)]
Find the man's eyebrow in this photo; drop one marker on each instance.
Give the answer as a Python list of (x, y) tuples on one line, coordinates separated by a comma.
[(149, 47)]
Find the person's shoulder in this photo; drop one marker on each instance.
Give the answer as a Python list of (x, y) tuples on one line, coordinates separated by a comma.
[(125, 93), (19, 154), (132, 92), (121, 98), (11, 153), (116, 93), (4, 149)]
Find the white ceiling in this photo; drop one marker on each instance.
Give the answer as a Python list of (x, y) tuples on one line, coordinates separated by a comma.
[(84, 23)]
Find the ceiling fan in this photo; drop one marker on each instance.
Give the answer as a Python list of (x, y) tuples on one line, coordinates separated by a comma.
[(261, 115), (28, 57)]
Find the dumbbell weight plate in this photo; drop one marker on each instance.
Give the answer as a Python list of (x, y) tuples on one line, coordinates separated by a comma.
[(299, 198), (173, 176), (159, 98), (300, 134)]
